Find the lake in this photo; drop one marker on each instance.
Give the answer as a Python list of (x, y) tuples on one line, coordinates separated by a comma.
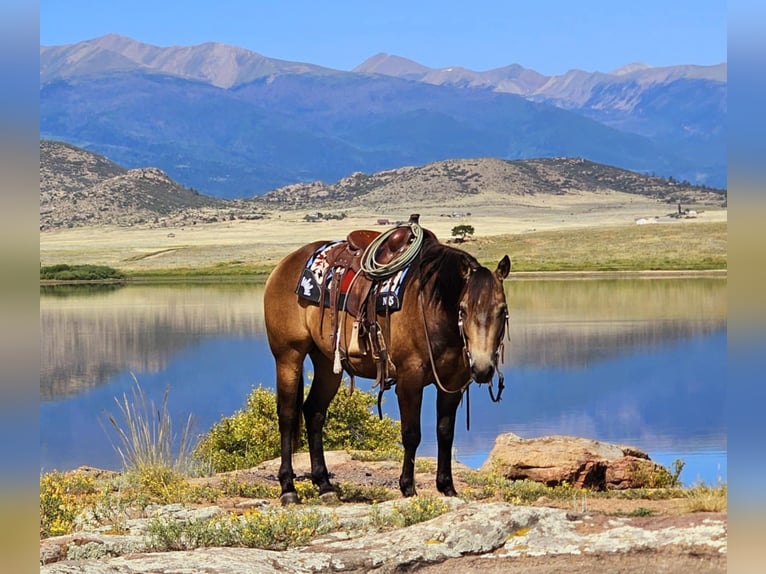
[(640, 362)]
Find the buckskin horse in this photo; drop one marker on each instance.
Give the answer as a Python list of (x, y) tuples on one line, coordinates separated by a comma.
[(448, 331)]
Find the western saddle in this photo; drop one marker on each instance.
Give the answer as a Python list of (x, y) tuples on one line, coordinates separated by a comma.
[(351, 277)]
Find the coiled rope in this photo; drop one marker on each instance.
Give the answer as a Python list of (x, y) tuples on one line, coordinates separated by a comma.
[(377, 270)]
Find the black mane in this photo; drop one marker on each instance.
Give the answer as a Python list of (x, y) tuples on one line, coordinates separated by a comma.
[(447, 267)]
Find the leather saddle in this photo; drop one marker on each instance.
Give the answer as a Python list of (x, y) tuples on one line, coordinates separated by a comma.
[(345, 261)]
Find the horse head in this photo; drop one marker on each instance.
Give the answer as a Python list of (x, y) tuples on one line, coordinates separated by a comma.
[(483, 318)]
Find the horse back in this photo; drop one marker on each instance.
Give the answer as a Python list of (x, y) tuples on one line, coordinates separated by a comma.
[(284, 312)]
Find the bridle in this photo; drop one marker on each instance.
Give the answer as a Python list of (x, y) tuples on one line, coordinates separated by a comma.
[(498, 356), (467, 356)]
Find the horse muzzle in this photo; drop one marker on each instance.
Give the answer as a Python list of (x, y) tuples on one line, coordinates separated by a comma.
[(482, 374)]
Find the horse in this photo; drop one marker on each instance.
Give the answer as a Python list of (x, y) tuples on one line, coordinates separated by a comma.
[(448, 331)]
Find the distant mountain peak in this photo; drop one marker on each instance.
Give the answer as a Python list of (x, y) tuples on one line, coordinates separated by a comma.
[(215, 63), (630, 68), (117, 42), (391, 65)]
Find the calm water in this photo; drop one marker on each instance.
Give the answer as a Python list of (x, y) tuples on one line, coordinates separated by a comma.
[(637, 362)]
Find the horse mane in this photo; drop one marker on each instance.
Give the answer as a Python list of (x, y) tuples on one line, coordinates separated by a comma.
[(448, 266)]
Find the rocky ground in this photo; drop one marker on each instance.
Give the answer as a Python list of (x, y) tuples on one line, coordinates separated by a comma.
[(546, 536)]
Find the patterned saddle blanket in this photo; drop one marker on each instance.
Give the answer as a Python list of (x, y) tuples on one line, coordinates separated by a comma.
[(317, 271)]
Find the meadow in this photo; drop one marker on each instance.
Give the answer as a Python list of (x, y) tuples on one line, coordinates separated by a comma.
[(570, 236)]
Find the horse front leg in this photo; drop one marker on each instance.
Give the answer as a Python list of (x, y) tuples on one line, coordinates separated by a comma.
[(324, 387), (410, 398), (446, 409)]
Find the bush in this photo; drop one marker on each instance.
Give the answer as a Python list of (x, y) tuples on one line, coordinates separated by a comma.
[(251, 435), (272, 530), (352, 425), (408, 512), (64, 272), (62, 498)]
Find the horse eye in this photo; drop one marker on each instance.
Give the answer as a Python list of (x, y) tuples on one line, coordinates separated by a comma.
[(461, 311)]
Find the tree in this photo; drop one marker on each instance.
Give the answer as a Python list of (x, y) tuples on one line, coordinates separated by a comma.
[(462, 231)]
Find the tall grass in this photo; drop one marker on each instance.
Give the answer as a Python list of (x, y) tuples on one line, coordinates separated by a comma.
[(146, 441)]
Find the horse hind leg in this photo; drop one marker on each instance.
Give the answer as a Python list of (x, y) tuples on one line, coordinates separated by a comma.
[(289, 368), (323, 389)]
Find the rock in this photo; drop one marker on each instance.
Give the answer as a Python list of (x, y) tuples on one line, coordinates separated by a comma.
[(495, 530), (581, 462)]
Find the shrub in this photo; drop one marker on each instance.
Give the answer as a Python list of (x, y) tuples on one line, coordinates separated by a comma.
[(704, 498), (273, 530), (352, 425), (64, 272), (484, 485), (408, 512), (62, 498), (251, 435), (244, 439)]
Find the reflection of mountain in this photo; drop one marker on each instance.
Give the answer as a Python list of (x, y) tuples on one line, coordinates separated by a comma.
[(574, 323), (581, 344), (85, 339)]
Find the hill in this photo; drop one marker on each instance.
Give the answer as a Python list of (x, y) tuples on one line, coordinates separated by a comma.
[(79, 188), (234, 124), (487, 182)]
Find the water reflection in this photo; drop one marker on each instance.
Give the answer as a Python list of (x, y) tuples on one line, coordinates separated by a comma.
[(635, 361), (89, 335), (572, 323)]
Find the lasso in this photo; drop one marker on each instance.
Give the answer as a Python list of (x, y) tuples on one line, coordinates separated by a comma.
[(377, 270)]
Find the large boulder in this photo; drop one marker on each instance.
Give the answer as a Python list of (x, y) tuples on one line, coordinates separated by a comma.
[(581, 462)]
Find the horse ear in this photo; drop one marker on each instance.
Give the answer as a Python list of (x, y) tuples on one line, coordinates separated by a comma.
[(503, 268), (467, 267)]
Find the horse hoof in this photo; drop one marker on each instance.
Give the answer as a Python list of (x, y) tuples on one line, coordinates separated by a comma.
[(289, 498), (330, 498)]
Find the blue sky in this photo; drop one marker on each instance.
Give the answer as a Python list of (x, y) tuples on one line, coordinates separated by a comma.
[(550, 36)]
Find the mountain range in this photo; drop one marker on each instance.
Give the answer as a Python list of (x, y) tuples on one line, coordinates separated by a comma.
[(232, 123)]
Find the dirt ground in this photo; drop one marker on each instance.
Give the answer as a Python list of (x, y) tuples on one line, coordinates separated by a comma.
[(668, 560)]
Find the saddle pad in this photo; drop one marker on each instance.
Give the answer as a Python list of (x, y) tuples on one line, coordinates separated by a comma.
[(317, 271)]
